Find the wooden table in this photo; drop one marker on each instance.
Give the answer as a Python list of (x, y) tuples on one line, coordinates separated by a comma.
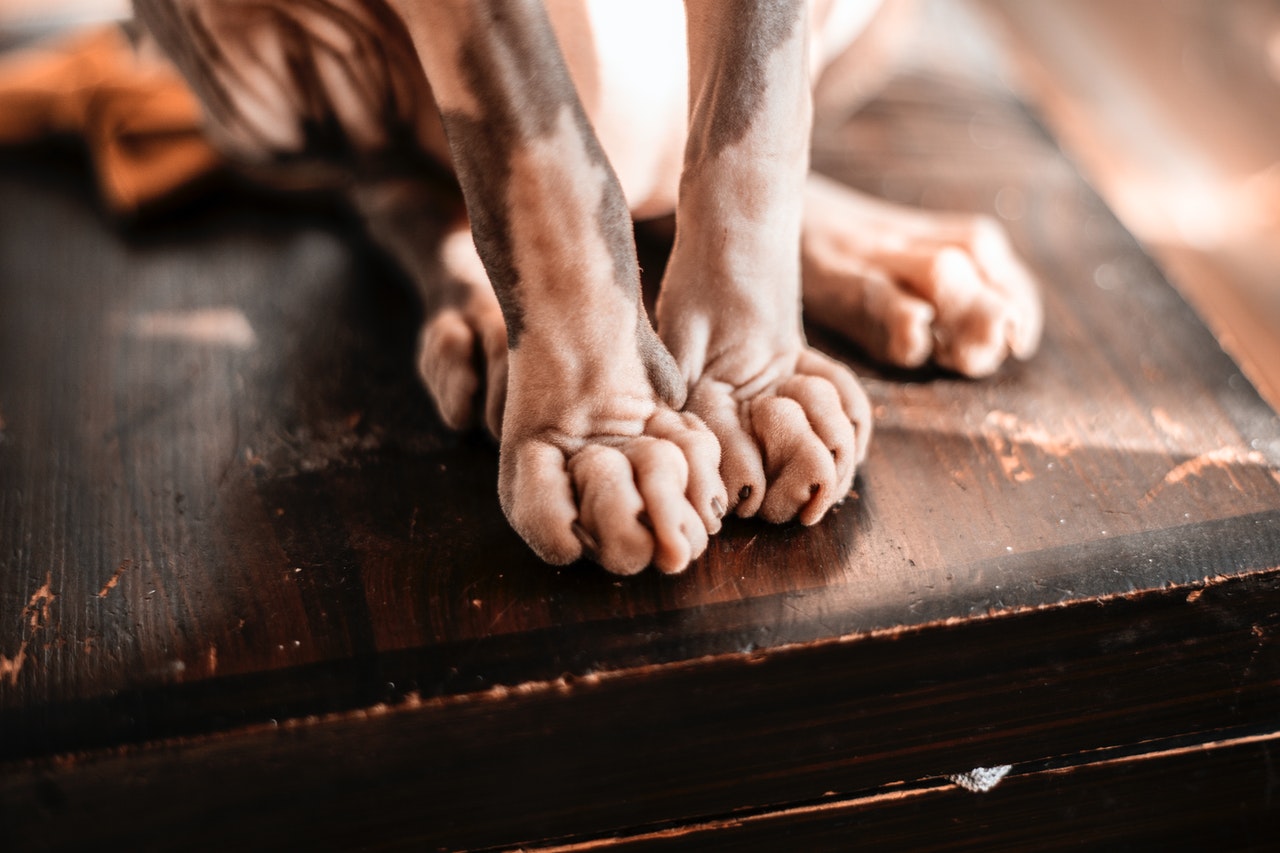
[(254, 596)]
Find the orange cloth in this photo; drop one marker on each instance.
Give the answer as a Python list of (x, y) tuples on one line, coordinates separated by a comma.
[(138, 117)]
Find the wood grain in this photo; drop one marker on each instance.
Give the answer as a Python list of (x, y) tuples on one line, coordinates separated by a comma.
[(1195, 797), (660, 745), (234, 536)]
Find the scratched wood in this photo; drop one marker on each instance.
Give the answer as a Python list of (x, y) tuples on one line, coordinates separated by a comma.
[(229, 518), (1196, 799)]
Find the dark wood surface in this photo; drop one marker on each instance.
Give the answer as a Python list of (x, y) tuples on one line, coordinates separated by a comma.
[(252, 593), (1193, 798)]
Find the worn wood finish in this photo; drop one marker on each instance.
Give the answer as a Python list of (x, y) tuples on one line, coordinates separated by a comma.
[(247, 546), (1194, 798), (647, 747)]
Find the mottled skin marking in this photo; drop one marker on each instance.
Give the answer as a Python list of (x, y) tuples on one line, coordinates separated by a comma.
[(792, 424), (484, 172), (514, 45), (514, 70), (754, 33)]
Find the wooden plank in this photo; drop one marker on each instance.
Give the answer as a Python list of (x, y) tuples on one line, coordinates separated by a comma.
[(1213, 796), (304, 486), (233, 535), (663, 745)]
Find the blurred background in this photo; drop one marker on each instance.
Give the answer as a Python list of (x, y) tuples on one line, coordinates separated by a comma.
[(1170, 108), (25, 18)]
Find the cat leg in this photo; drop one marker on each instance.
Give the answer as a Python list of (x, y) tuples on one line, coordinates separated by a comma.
[(793, 425), (596, 459)]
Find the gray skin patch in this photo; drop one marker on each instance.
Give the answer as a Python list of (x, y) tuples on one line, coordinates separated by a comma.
[(484, 175), (754, 32), (513, 67), (660, 365), (510, 50)]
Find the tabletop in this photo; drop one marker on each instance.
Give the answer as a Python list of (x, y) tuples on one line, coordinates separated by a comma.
[(234, 536)]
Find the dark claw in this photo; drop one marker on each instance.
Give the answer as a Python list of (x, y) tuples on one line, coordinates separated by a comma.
[(744, 493)]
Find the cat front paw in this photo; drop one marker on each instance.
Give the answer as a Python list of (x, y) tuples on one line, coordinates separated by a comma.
[(791, 438), (623, 501)]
